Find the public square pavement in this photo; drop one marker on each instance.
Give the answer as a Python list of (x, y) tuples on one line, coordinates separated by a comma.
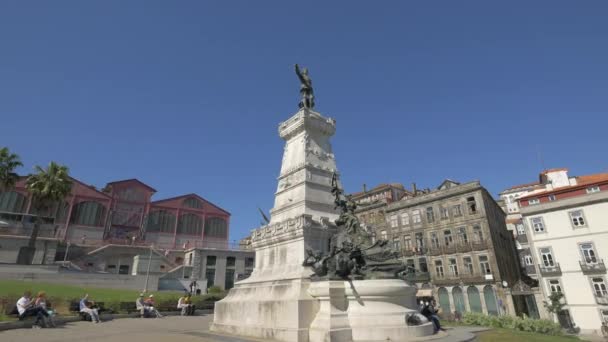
[(172, 328)]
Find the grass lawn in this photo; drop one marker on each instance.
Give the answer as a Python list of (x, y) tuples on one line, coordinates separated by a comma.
[(61, 295), (15, 288), (504, 335)]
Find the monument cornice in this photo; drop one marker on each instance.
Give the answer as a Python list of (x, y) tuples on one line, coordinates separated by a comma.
[(287, 229), (306, 120)]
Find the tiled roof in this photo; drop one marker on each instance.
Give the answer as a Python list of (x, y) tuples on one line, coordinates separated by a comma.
[(133, 180), (523, 185), (581, 182), (377, 188)]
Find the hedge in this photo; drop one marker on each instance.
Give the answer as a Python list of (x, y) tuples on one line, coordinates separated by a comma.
[(539, 326)]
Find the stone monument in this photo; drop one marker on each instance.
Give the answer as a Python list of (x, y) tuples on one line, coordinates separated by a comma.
[(318, 275), (274, 302)]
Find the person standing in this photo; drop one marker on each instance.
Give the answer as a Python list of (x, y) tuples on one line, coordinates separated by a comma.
[(86, 306)]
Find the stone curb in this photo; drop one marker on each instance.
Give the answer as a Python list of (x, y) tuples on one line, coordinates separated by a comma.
[(26, 324)]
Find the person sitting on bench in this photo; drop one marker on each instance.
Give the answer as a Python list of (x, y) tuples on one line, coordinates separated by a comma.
[(139, 304), (41, 302), (86, 306), (149, 305), (185, 303), (26, 307)]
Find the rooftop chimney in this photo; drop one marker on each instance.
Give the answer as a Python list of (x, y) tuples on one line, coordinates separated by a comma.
[(414, 189)]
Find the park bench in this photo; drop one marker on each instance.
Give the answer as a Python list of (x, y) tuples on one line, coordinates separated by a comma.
[(75, 308), (14, 313), (128, 307)]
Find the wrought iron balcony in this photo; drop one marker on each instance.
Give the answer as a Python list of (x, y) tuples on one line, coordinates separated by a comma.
[(601, 299), (418, 277), (434, 251), (408, 253), (523, 238), (462, 277), (530, 269), (597, 267), (463, 247), (479, 245), (449, 249), (550, 271)]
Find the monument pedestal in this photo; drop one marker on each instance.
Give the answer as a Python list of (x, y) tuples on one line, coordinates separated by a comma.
[(274, 303), (331, 322), (365, 310)]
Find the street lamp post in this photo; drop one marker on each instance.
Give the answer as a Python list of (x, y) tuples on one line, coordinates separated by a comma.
[(65, 255), (148, 270)]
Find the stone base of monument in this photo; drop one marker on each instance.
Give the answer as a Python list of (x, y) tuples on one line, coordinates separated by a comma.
[(279, 310), (299, 310), (365, 310)]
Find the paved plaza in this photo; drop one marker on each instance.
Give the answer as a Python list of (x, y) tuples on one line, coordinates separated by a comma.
[(173, 328)]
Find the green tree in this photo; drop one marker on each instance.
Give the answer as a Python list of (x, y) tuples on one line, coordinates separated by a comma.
[(555, 304), (9, 162), (47, 188)]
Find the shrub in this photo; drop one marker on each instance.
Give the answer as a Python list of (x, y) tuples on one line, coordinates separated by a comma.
[(540, 326), (113, 306), (215, 289)]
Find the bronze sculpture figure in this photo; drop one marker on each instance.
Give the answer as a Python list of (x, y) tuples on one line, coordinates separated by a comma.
[(353, 254), (308, 97)]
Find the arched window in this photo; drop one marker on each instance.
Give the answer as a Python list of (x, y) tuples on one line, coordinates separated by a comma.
[(88, 214), (13, 202), (160, 221), (216, 227), (474, 299), (458, 299), (444, 300), (190, 224), (490, 298), (193, 203)]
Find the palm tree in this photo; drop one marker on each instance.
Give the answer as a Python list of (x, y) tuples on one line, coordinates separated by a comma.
[(8, 163), (47, 188)]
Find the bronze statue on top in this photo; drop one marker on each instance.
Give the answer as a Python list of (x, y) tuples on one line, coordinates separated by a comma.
[(353, 254), (308, 97)]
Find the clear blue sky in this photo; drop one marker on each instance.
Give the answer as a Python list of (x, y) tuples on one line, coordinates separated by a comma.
[(187, 95)]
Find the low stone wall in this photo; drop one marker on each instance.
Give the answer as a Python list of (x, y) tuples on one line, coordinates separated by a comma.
[(56, 276)]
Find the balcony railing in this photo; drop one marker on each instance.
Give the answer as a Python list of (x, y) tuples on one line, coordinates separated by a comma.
[(523, 238), (597, 267), (418, 277), (433, 251), (479, 245), (449, 249), (530, 269), (464, 277), (408, 253), (463, 247), (601, 299), (550, 271)]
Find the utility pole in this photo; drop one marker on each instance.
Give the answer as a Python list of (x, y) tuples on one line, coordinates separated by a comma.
[(148, 271)]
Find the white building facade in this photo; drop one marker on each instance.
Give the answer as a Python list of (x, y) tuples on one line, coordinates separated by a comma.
[(567, 231)]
